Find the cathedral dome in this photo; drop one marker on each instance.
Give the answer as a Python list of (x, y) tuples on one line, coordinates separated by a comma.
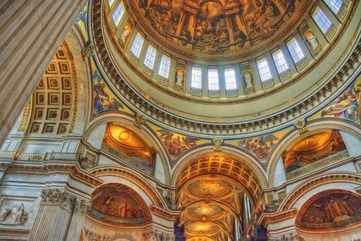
[(217, 30), (226, 67)]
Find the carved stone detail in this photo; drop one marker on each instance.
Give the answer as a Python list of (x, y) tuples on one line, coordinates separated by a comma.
[(58, 197), (14, 215)]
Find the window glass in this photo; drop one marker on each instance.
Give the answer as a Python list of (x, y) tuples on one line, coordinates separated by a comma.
[(111, 2), (295, 50), (137, 45), (322, 21), (213, 80), (118, 14), (334, 5), (230, 79), (280, 61), (149, 59), (264, 70), (196, 81), (164, 66)]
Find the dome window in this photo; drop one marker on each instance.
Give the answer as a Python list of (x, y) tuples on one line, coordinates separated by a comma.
[(295, 50), (322, 21), (118, 14), (213, 80), (164, 66), (230, 79), (264, 70), (137, 45), (150, 57), (280, 61), (334, 5), (196, 81), (111, 2)]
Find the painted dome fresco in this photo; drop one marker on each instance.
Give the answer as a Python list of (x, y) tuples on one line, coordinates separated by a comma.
[(217, 29), (223, 67)]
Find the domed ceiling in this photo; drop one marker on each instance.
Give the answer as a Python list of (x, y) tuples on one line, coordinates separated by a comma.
[(229, 68), (217, 29)]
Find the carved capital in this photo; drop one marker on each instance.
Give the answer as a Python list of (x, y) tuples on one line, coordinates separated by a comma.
[(58, 197), (82, 205)]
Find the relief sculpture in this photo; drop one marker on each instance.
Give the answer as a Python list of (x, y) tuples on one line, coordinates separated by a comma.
[(13, 214)]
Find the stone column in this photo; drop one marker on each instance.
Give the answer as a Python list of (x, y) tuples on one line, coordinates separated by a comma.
[(78, 220), (54, 217), (30, 32)]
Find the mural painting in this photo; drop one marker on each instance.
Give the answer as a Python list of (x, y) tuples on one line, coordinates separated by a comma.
[(119, 204), (103, 98), (347, 106), (312, 149), (218, 26), (331, 210), (124, 142), (175, 143)]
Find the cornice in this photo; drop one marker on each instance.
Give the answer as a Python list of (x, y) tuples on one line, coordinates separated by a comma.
[(67, 167)]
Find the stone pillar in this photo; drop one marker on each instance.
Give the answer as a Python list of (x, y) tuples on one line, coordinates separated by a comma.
[(56, 217), (30, 33), (77, 220)]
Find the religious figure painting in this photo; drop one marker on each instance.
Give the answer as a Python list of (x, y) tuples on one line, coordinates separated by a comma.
[(127, 144), (119, 204), (331, 209), (346, 106), (103, 99), (176, 143), (261, 146), (313, 148), (218, 26)]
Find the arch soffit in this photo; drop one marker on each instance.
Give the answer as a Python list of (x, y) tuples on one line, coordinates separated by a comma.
[(75, 44), (129, 121), (128, 177), (312, 127), (322, 182), (248, 159)]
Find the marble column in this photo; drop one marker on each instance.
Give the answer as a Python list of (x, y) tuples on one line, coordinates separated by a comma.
[(78, 220), (30, 32), (56, 214)]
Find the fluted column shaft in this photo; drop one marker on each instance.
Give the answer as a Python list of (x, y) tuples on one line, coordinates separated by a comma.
[(30, 32), (60, 217)]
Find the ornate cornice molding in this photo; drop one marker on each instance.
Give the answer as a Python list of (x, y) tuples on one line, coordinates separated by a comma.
[(261, 125), (68, 167)]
